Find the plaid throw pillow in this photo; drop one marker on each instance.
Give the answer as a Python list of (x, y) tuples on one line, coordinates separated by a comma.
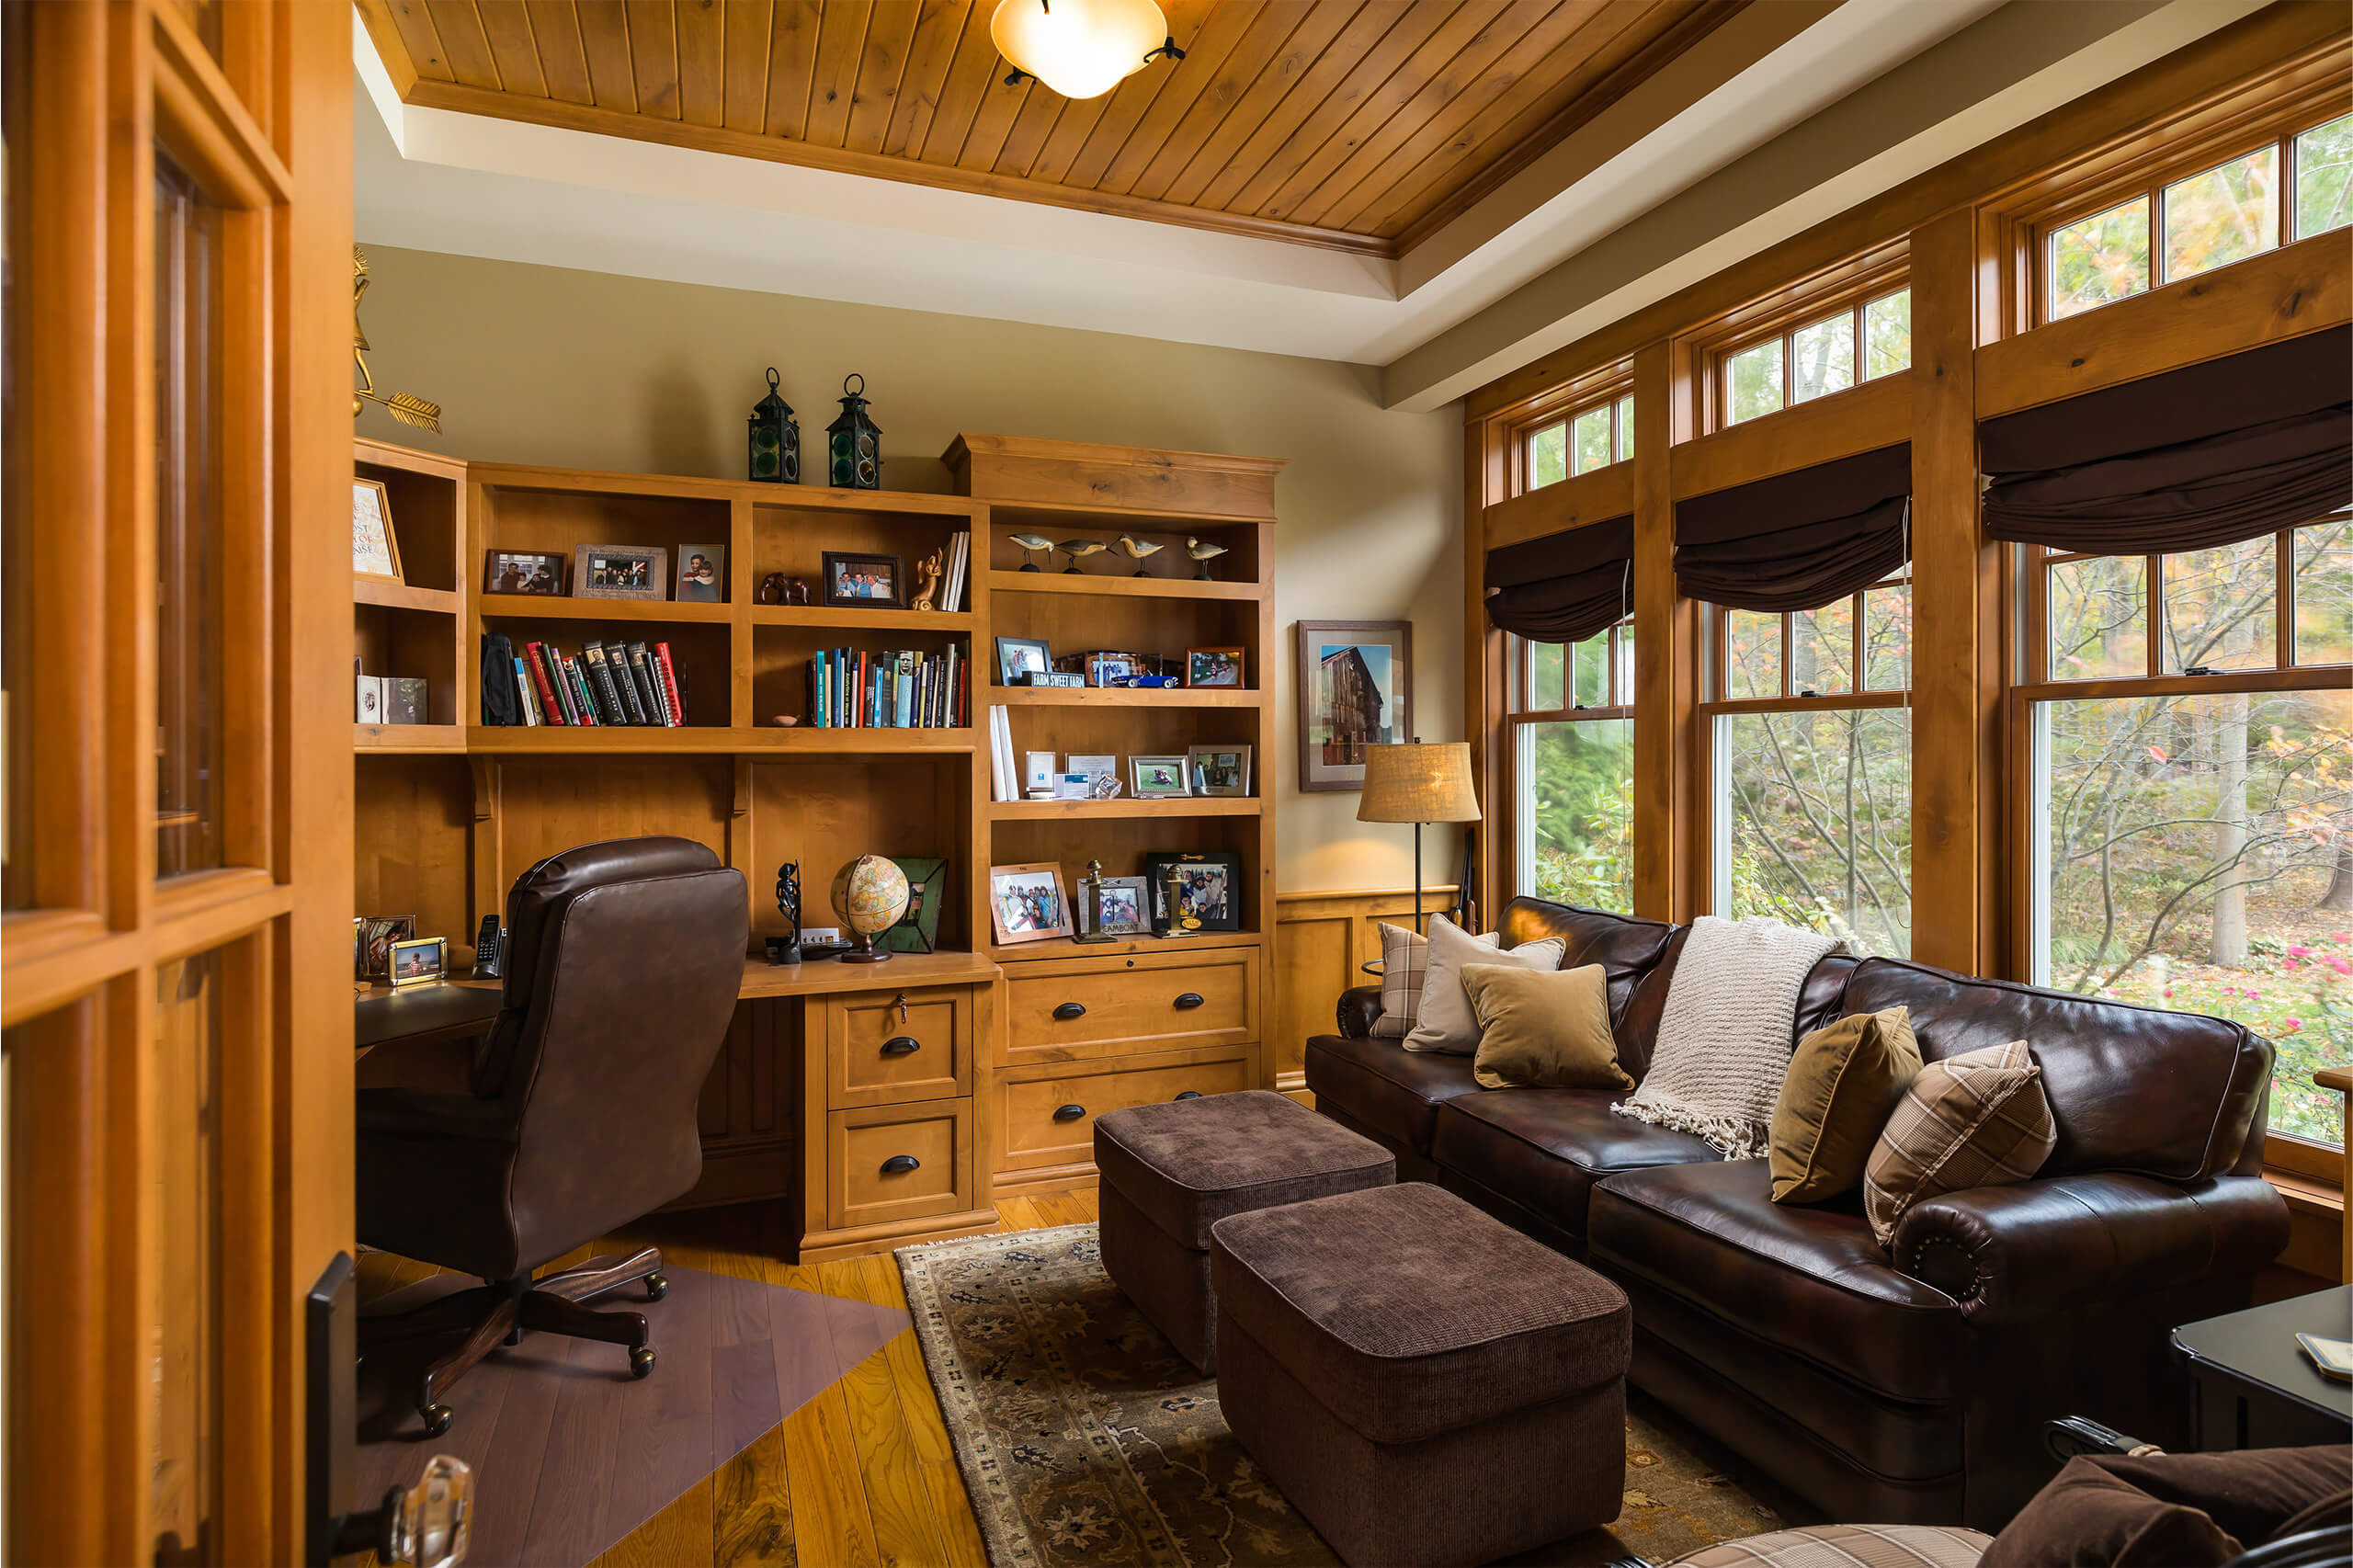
[(1976, 1119), (1404, 964)]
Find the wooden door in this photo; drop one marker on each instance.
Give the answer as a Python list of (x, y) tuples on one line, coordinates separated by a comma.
[(176, 1053)]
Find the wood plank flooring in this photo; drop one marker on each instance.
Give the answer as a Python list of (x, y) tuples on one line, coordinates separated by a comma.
[(862, 1476)]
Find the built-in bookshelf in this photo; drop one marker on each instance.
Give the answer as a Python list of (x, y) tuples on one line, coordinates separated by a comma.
[(415, 627)]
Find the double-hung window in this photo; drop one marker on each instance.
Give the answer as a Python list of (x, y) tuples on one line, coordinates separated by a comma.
[(1572, 734)]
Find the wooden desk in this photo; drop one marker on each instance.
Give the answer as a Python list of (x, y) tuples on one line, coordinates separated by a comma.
[(847, 1087)]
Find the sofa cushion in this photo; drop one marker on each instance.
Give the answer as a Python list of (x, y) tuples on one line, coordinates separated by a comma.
[(1405, 965), (1547, 1029), (1626, 948), (2138, 1089), (1410, 1313), (1844, 1081), (1545, 1148), (1380, 1085), (1447, 1024), (1810, 1279), (1974, 1121)]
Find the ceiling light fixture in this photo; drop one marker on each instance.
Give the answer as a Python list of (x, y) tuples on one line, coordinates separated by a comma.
[(1081, 49)]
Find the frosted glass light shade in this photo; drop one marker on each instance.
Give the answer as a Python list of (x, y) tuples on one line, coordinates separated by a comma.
[(1082, 49)]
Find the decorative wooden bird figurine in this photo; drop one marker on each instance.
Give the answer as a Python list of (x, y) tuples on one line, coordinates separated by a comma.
[(1031, 544), (1203, 553), (1075, 548), (1139, 554)]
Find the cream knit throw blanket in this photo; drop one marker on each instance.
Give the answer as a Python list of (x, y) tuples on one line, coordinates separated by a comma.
[(1723, 1037)]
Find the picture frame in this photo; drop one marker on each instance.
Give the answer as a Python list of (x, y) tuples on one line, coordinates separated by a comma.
[(1158, 778), (1097, 765), (1215, 668), (422, 960), (1218, 770), (1027, 902), (1017, 657), (375, 548), (1209, 896), (1038, 772), (1123, 906), (703, 574), (620, 572), (1356, 689), (535, 571), (1073, 786), (918, 929), (377, 934), (853, 580), (1112, 669)]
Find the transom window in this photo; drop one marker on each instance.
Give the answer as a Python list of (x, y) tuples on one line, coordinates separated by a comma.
[(1583, 440), (1810, 736), (1572, 725), (2298, 186), (1867, 340)]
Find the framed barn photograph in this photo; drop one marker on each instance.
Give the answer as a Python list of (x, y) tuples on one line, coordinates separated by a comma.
[(1356, 689)]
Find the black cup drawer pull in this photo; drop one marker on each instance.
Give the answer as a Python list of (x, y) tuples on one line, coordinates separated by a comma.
[(900, 1165), (1189, 1094), (1069, 1010), (1188, 1001), (902, 1045), (1069, 1113)]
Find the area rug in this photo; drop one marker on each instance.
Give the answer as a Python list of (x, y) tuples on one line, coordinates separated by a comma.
[(1086, 1440), (570, 1453)]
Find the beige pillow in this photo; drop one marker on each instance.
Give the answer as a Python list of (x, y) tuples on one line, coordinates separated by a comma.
[(1844, 1081), (1405, 966), (1447, 1024), (1543, 1029), (1976, 1119)]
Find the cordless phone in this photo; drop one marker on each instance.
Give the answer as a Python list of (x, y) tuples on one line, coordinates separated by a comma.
[(489, 946)]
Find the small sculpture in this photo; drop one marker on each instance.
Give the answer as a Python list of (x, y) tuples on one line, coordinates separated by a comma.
[(407, 407), (796, 592), (1031, 544), (786, 949), (771, 590), (1139, 554), (1075, 548), (927, 574), (1204, 554)]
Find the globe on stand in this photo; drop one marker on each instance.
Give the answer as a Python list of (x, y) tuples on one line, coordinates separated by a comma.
[(871, 896)]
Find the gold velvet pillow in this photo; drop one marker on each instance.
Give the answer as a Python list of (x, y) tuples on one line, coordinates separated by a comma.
[(1843, 1081), (1542, 1028)]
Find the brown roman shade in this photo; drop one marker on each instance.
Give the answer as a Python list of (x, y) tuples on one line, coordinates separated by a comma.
[(1566, 587), (2195, 459), (1797, 540)]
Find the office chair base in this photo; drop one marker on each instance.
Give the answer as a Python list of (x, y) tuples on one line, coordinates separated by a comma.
[(499, 1312)]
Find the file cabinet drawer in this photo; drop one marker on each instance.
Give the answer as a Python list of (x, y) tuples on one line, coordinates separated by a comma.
[(1075, 1008), (891, 1048), (1046, 1116), (889, 1163)]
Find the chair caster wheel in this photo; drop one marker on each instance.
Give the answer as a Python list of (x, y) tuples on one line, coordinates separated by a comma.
[(656, 1287), (437, 1419), (515, 1335), (640, 1362)]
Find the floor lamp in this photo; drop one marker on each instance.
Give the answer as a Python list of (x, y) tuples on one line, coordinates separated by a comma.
[(1417, 783)]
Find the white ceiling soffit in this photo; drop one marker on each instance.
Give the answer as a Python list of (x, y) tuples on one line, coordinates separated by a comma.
[(1699, 167)]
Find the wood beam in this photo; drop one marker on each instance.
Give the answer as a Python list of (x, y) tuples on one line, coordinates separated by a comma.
[(1488, 469), (1876, 413), (1592, 497), (1666, 658)]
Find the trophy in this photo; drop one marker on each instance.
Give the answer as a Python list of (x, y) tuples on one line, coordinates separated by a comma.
[(1087, 910)]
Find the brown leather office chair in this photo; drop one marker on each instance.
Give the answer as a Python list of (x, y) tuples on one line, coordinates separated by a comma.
[(623, 961)]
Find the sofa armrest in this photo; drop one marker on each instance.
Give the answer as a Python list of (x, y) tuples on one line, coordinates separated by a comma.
[(2012, 1254), (1359, 1007)]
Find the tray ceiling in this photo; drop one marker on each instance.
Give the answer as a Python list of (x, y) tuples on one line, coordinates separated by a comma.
[(1362, 125)]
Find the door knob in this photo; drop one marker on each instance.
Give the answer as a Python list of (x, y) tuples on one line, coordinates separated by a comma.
[(1070, 1112), (900, 1165), (1191, 999), (1069, 1010), (902, 1045)]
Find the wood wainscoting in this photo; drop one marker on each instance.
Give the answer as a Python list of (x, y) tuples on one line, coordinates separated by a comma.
[(1327, 938)]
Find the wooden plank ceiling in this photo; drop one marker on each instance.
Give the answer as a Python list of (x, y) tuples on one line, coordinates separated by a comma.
[(1365, 125)]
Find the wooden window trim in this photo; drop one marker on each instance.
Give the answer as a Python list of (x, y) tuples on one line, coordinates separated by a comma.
[(2304, 92)]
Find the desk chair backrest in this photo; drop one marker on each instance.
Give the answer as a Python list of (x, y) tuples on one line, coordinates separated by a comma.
[(624, 960)]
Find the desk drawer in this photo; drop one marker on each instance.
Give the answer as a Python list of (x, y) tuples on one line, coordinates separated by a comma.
[(1047, 1117), (890, 1047), (887, 1163), (1070, 1009)]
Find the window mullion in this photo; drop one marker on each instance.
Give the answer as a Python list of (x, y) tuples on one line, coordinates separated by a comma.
[(2154, 610), (2283, 597)]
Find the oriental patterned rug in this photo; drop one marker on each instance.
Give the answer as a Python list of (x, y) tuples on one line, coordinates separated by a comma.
[(1085, 1439)]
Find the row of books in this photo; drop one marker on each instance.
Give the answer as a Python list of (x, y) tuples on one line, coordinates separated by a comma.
[(850, 689), (952, 575), (604, 683)]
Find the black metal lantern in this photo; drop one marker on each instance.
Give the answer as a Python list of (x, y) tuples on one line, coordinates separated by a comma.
[(776, 438), (854, 444)]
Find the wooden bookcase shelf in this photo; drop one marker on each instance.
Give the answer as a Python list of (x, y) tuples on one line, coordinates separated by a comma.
[(450, 812)]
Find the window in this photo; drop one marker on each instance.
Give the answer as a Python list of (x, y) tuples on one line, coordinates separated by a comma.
[(1586, 439), (189, 590), (2190, 733), (1862, 343), (1572, 758), (2206, 219), (1810, 729)]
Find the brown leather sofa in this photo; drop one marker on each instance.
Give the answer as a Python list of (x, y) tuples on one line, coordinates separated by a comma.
[(1903, 1385)]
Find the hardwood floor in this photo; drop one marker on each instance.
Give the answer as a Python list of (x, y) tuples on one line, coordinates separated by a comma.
[(862, 1475)]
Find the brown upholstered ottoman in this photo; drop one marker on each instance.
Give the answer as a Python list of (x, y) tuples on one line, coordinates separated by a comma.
[(1171, 1171), (1425, 1384)]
